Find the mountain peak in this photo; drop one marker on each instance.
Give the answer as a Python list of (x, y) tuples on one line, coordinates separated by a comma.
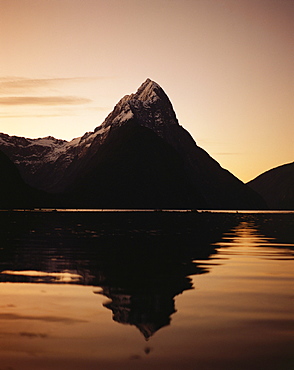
[(149, 82), (148, 90), (149, 106)]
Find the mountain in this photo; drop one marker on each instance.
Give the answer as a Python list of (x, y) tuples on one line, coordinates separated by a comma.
[(42, 162), (14, 192), (276, 186), (140, 157)]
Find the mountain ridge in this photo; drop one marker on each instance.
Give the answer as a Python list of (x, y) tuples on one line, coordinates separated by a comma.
[(73, 169)]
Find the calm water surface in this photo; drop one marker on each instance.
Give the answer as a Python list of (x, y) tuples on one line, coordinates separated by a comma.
[(146, 291)]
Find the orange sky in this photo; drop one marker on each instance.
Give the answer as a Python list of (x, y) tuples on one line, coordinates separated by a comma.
[(227, 66)]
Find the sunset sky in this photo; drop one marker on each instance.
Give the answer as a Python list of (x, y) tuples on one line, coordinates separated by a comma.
[(226, 65)]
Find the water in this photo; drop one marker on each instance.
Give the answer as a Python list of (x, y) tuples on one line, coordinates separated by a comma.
[(93, 290)]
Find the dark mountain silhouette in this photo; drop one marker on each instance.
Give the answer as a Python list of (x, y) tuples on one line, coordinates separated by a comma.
[(140, 157), (147, 160), (14, 192), (276, 186), (134, 168)]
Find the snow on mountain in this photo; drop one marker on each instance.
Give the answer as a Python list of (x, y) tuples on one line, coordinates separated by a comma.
[(146, 106), (31, 155), (38, 151)]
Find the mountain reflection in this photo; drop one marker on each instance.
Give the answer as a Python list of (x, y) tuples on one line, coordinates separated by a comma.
[(140, 261), (143, 294), (148, 311)]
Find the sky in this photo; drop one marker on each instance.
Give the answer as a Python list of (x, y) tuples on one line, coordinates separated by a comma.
[(226, 65)]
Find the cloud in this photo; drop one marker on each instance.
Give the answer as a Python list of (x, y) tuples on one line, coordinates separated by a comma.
[(23, 91), (20, 84), (64, 320), (43, 100), (35, 115)]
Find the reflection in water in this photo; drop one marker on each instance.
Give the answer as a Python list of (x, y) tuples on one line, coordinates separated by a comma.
[(145, 298), (148, 311), (56, 277), (247, 239), (140, 262), (238, 316)]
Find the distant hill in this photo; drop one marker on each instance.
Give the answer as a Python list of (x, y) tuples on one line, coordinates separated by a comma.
[(139, 157), (276, 186)]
